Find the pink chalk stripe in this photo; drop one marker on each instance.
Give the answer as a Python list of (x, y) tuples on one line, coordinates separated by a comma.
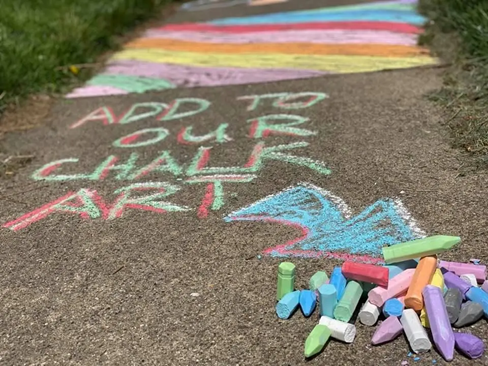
[(95, 90), (360, 25), (191, 76), (333, 36)]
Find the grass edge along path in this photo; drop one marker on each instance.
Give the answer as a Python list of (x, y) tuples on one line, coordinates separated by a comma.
[(48, 46), (457, 32)]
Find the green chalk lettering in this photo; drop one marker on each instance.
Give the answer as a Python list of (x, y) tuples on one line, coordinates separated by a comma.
[(172, 113), (127, 141), (109, 164), (45, 172), (263, 126), (164, 163), (132, 116)]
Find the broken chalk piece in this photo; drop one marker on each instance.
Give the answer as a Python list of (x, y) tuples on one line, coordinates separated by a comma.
[(470, 313), (341, 331), (484, 286), (288, 304), (454, 281), (398, 285), (469, 345), (416, 334), (286, 279), (316, 340), (393, 307), (478, 295), (453, 299), (347, 304), (327, 299), (439, 321), (365, 273), (338, 280), (388, 330), (470, 279), (308, 301), (465, 268), (369, 313), (421, 278), (318, 279), (419, 248)]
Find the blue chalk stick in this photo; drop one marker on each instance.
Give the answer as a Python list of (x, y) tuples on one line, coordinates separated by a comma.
[(327, 300), (308, 300), (393, 271), (392, 307), (476, 294), (288, 304), (338, 280)]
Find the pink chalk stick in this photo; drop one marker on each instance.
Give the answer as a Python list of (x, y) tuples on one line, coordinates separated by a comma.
[(484, 286), (397, 285), (465, 268)]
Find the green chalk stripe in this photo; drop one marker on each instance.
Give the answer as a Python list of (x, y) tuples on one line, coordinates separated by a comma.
[(132, 84)]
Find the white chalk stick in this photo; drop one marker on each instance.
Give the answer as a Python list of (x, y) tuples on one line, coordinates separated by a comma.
[(470, 279), (339, 330), (415, 332), (369, 313)]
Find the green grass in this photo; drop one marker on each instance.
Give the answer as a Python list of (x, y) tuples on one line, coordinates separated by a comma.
[(458, 33), (40, 39)]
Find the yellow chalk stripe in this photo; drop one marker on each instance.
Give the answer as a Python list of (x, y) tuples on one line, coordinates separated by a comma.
[(333, 63)]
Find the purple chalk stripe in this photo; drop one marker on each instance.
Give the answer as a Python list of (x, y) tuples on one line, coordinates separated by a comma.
[(191, 76)]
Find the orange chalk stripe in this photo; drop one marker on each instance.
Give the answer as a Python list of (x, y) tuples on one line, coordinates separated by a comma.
[(421, 278), (287, 48)]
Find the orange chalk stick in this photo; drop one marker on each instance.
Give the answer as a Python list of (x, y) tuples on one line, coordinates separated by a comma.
[(421, 278), (366, 273)]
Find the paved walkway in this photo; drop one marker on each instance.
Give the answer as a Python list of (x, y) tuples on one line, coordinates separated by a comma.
[(148, 227)]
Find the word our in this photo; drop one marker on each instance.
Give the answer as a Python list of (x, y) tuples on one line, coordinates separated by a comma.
[(327, 226), (187, 107)]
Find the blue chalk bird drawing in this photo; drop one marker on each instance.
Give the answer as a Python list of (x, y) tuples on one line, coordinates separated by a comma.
[(327, 225)]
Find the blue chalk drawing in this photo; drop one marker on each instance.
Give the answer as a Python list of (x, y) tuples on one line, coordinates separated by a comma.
[(327, 225)]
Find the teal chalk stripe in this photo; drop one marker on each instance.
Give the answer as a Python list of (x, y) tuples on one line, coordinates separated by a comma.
[(344, 16), (132, 84), (362, 7)]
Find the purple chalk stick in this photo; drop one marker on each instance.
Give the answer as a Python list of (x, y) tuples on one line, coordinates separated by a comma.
[(484, 286), (453, 281), (469, 345), (439, 321), (465, 268), (390, 329)]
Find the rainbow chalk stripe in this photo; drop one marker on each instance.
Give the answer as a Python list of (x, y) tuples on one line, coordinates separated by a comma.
[(265, 48)]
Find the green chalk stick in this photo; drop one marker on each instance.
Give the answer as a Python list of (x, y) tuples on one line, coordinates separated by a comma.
[(316, 340), (286, 279), (347, 305), (419, 248), (318, 279)]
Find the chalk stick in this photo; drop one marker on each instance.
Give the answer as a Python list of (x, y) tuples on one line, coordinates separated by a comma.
[(437, 281), (288, 304), (338, 280), (318, 279), (416, 334), (484, 286), (396, 286), (327, 299), (421, 278), (419, 248), (393, 307), (308, 301), (402, 299), (453, 299), (369, 313), (393, 271), (316, 340), (365, 273), (347, 304), (465, 268), (470, 279), (341, 331), (469, 345), (478, 295), (388, 330), (286, 279), (440, 325), (470, 313), (454, 281)]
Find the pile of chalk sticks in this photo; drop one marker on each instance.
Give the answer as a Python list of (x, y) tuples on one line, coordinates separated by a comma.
[(413, 290)]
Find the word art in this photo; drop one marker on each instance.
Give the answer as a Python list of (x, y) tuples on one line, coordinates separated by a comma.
[(327, 226)]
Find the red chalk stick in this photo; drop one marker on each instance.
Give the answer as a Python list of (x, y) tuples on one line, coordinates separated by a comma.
[(366, 272)]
